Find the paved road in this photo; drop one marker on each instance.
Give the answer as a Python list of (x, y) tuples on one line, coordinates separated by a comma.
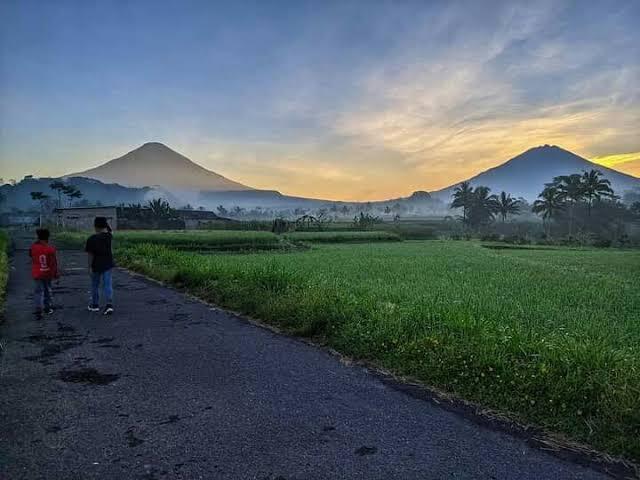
[(169, 388)]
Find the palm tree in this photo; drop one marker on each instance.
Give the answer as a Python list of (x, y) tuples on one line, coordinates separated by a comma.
[(549, 204), (238, 211), (506, 205), (482, 206), (595, 187), (160, 209), (462, 196), (570, 189)]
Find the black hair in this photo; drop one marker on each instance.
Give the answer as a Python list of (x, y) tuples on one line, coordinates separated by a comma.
[(43, 234), (101, 222)]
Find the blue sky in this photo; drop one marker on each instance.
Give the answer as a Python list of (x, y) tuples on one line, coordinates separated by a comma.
[(346, 100)]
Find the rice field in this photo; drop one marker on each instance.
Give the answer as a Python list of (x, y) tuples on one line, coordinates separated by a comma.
[(549, 336), (343, 237), (197, 240)]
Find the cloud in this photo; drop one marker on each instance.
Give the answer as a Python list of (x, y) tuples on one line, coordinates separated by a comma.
[(624, 162), (470, 108), (345, 101)]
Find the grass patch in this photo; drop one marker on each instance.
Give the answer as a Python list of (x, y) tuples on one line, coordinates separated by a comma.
[(4, 267), (343, 237), (209, 240), (548, 335)]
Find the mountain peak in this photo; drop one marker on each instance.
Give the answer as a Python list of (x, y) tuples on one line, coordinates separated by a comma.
[(149, 145), (153, 163), (526, 174)]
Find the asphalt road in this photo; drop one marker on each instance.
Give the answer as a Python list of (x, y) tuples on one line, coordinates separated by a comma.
[(170, 388)]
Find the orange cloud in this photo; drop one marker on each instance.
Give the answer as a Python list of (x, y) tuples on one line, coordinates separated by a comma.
[(624, 162)]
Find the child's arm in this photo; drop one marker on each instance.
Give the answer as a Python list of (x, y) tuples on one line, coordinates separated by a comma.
[(90, 257)]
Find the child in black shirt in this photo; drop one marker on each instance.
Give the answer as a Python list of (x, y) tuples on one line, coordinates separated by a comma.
[(100, 257)]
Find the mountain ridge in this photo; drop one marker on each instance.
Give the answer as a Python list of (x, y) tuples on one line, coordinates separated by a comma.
[(153, 164), (525, 174)]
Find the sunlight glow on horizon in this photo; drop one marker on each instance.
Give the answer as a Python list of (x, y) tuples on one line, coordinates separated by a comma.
[(340, 102)]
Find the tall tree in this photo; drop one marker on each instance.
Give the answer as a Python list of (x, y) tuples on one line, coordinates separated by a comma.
[(462, 196), (58, 186), (571, 190), (40, 198), (222, 211), (548, 205), (160, 209), (482, 207), (506, 205), (71, 192), (595, 187)]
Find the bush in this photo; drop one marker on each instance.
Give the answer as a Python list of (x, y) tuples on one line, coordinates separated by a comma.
[(517, 240), (601, 242), (490, 237)]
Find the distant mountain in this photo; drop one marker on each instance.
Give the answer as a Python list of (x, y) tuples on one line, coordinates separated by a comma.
[(162, 172), (156, 164), (525, 175), (18, 196)]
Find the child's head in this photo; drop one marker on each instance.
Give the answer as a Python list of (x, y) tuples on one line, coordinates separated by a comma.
[(43, 234), (101, 224)]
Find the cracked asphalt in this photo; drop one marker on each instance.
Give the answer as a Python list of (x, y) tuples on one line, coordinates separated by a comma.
[(171, 388)]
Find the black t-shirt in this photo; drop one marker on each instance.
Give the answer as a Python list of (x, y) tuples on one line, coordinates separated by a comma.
[(100, 246)]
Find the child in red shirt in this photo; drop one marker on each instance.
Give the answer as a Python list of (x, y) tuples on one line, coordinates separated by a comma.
[(44, 268)]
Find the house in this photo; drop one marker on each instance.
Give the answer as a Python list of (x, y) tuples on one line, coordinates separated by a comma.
[(198, 218), (81, 218)]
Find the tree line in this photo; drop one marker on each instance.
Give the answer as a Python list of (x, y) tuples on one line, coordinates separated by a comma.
[(68, 190), (568, 201)]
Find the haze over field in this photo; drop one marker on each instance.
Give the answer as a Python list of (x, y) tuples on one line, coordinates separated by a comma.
[(347, 100)]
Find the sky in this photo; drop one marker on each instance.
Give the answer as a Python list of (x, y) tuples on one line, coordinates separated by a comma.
[(347, 100)]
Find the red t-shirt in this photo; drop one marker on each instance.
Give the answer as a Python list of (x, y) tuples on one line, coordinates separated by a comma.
[(44, 265)]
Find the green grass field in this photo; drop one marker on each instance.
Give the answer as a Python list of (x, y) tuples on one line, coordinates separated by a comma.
[(224, 240), (220, 240), (343, 237), (551, 336), (4, 266)]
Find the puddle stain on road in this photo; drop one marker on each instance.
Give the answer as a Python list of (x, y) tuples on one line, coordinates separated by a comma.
[(87, 376), (52, 345)]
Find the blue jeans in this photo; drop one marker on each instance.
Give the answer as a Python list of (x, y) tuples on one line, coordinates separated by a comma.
[(42, 294), (107, 289)]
